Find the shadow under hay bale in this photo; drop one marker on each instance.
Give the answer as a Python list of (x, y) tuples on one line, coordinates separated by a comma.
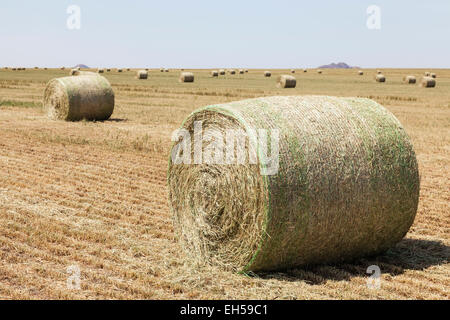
[(342, 182), (78, 98)]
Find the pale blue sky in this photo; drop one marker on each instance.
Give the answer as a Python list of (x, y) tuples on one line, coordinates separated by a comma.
[(209, 34)]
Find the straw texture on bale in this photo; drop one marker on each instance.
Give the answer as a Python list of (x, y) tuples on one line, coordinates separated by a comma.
[(267, 74), (222, 72), (380, 78), (428, 82), (142, 74), (214, 73), (286, 81), (347, 185), (186, 77), (78, 98), (409, 79)]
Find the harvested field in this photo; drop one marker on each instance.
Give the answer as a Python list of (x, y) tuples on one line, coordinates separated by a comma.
[(94, 194)]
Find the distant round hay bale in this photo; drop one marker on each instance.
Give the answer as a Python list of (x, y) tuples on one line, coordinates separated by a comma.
[(241, 71), (232, 71), (13, 69), (427, 74), (360, 72), (428, 82), (222, 72), (409, 79), (108, 70), (128, 69), (78, 68), (379, 71), (286, 81), (380, 78), (161, 70), (100, 70), (63, 68), (83, 73), (304, 70), (267, 74), (214, 73), (142, 74), (433, 75), (346, 184), (36, 68), (45, 68), (292, 70), (166, 70), (72, 72), (246, 71), (319, 71), (78, 98), (119, 70), (186, 77)]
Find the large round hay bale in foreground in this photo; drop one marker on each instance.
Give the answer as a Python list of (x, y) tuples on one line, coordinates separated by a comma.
[(341, 183), (380, 78), (409, 79), (186, 77), (78, 98), (286, 81), (428, 82), (142, 74), (267, 74)]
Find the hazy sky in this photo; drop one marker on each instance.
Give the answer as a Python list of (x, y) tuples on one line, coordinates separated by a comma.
[(207, 34)]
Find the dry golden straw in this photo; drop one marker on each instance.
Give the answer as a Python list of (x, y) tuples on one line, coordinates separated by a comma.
[(142, 74), (78, 98), (347, 184), (186, 77), (286, 81), (428, 82)]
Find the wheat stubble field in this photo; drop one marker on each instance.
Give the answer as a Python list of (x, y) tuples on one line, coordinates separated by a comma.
[(94, 195)]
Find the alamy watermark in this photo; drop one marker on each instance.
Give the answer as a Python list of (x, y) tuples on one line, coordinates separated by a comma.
[(74, 280), (234, 146), (374, 282), (74, 19), (374, 17)]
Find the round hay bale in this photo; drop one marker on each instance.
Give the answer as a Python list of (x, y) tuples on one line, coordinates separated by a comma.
[(360, 72), (433, 75), (379, 71), (186, 77), (380, 78), (72, 72), (246, 71), (292, 71), (78, 98), (232, 71), (222, 72), (142, 74), (101, 70), (14, 69), (83, 73), (241, 71), (304, 70), (128, 69), (427, 74), (108, 70), (286, 81), (347, 183), (267, 74), (119, 70), (214, 73), (409, 79), (161, 70), (428, 82), (319, 71), (63, 68)]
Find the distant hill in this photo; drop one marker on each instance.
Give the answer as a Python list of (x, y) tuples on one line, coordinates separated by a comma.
[(339, 65), (81, 66)]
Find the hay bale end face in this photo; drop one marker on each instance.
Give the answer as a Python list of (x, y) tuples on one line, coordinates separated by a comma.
[(241, 71), (222, 72), (214, 73), (360, 72), (346, 184), (380, 78), (78, 98), (304, 70), (428, 82), (232, 71), (427, 74), (267, 74), (101, 70), (286, 81), (142, 74), (433, 75), (186, 77), (319, 71), (119, 70), (409, 79)]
